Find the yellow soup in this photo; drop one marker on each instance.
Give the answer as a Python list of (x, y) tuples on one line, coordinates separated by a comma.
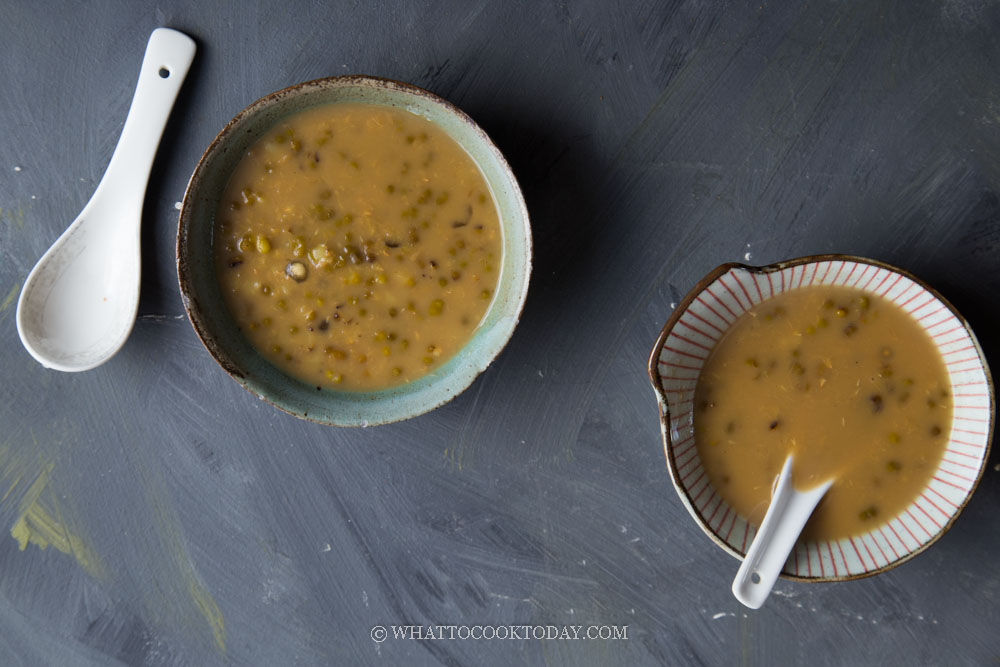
[(357, 246), (847, 382)]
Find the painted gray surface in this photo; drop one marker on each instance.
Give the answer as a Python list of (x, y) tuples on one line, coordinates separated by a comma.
[(653, 141)]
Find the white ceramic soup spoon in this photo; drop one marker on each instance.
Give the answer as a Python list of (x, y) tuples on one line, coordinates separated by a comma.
[(786, 516), (79, 303)]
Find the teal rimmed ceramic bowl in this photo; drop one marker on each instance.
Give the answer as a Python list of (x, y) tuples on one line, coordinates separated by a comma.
[(217, 330)]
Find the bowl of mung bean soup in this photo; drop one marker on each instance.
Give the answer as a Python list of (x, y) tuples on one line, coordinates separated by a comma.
[(353, 250), (861, 371)]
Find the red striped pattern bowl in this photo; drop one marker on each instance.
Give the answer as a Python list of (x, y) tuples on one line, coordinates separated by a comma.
[(715, 304)]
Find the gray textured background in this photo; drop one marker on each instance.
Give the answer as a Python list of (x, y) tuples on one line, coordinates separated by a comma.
[(191, 524)]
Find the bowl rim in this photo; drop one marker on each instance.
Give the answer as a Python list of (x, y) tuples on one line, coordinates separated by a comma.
[(656, 380), (185, 279)]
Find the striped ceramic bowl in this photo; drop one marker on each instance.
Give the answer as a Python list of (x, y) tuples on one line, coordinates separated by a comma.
[(729, 291)]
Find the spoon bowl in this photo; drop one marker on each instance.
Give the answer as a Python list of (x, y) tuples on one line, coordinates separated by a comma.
[(79, 303), (78, 306)]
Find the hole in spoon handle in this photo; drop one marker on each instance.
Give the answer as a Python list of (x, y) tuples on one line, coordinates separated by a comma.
[(170, 52)]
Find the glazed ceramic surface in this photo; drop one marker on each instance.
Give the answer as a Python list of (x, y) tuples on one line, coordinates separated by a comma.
[(204, 302), (79, 303), (730, 290)]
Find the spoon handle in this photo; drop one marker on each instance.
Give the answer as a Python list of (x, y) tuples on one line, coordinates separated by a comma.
[(786, 517), (168, 57)]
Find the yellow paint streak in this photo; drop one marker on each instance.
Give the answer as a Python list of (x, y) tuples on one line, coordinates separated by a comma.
[(9, 299), (34, 492), (10, 490), (171, 532), (40, 522), (207, 607), (455, 456), (6, 470), (12, 216), (25, 474), (37, 526)]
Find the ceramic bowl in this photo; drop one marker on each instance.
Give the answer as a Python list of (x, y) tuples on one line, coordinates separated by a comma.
[(730, 290), (211, 320)]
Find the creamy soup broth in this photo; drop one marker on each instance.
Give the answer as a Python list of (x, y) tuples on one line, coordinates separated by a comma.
[(357, 246), (847, 382)]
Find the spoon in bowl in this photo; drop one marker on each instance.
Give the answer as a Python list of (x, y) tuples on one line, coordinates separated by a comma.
[(79, 303), (786, 516)]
